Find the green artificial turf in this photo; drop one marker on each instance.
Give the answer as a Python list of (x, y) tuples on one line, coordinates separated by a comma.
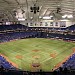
[(45, 47)]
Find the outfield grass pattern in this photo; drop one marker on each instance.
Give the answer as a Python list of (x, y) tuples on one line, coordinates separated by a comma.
[(26, 48)]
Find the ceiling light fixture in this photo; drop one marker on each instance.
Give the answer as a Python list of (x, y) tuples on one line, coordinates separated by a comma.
[(67, 16), (31, 17), (21, 19), (46, 17), (70, 16), (64, 16), (40, 17)]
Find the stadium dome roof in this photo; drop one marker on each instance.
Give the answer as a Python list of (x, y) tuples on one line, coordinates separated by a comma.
[(56, 8)]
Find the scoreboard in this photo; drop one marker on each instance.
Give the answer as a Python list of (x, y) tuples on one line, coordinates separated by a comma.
[(48, 24)]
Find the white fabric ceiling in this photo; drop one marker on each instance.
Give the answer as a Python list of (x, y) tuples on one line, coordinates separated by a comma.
[(46, 7)]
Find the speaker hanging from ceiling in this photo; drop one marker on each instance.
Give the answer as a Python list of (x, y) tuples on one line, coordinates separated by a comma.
[(34, 9), (14, 12), (58, 10)]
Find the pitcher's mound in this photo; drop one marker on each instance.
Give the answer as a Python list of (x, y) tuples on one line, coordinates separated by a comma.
[(19, 56), (35, 50), (53, 55), (36, 57)]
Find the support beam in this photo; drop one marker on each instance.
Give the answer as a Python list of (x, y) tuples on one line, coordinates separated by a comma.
[(27, 10), (45, 11), (6, 1), (17, 2)]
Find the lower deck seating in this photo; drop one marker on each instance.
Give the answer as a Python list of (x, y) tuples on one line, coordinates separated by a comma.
[(5, 64), (69, 64), (20, 35), (17, 35)]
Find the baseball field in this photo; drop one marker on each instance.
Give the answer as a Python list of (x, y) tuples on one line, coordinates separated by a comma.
[(27, 54)]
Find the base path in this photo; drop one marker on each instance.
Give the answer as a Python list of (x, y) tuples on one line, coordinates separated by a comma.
[(35, 50)]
